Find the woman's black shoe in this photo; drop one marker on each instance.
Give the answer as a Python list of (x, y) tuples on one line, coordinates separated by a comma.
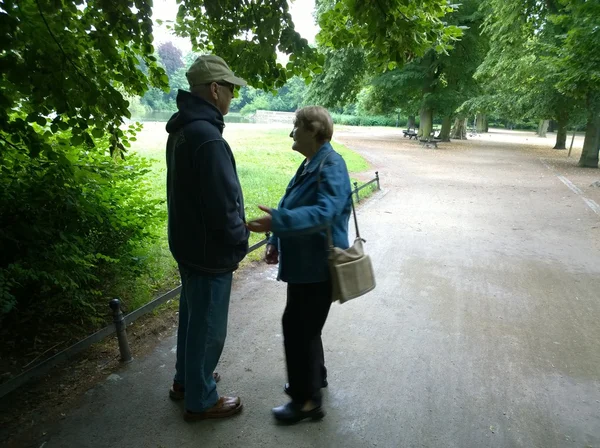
[(286, 388), (292, 413)]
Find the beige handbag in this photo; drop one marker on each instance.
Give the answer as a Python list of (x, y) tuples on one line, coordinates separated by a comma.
[(351, 269)]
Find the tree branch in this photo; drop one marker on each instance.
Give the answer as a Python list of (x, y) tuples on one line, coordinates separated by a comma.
[(385, 14), (10, 143), (77, 70)]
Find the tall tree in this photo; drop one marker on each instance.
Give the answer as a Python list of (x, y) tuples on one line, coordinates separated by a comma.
[(343, 76), (170, 56), (578, 62), (362, 40), (435, 83), (531, 67)]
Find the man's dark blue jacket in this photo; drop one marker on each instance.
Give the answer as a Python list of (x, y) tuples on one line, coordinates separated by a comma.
[(207, 229)]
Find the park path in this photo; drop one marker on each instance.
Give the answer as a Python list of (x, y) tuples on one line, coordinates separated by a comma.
[(482, 332)]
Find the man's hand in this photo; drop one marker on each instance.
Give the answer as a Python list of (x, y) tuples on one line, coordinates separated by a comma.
[(262, 224), (271, 254)]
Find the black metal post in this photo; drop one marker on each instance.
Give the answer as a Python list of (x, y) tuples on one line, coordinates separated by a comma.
[(356, 191), (377, 177), (120, 326)]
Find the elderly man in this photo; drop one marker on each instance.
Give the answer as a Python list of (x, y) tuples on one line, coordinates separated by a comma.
[(207, 233)]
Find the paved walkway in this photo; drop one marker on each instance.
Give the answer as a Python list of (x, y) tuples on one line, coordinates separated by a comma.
[(483, 330)]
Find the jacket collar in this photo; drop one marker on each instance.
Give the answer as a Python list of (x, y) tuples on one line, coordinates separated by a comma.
[(314, 163), (193, 108)]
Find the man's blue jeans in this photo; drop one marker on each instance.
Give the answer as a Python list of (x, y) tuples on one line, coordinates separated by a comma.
[(203, 310)]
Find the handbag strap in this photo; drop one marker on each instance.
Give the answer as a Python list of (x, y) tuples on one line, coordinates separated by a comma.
[(329, 238)]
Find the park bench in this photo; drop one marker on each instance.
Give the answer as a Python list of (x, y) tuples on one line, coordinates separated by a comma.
[(472, 132), (428, 142), (432, 140), (410, 133)]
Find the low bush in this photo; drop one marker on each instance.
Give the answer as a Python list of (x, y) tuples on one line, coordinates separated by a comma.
[(373, 120), (71, 227)]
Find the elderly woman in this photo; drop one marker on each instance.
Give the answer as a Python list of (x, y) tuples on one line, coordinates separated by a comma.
[(316, 200)]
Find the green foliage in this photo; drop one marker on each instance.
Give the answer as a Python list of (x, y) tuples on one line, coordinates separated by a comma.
[(136, 107), (434, 81), (391, 32), (396, 89), (258, 103), (157, 100), (369, 120), (439, 70), (579, 66), (286, 99), (67, 65), (168, 57), (247, 33), (578, 56), (71, 226), (520, 71), (160, 100), (291, 96), (342, 78), (543, 61)]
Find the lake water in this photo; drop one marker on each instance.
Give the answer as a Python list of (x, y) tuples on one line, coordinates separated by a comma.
[(164, 117)]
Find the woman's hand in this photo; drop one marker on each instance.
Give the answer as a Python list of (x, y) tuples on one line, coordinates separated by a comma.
[(271, 254), (262, 224)]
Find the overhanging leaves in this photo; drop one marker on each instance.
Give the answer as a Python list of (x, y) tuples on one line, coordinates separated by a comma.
[(247, 34), (68, 64)]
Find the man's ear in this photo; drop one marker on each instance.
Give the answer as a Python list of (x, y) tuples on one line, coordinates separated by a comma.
[(214, 90)]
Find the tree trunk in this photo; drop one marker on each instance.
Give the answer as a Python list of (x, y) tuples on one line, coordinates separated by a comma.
[(543, 128), (591, 144), (481, 122), (459, 131), (553, 126), (446, 127), (411, 122), (426, 125), (561, 133)]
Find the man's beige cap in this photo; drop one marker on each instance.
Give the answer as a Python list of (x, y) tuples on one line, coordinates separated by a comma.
[(210, 68)]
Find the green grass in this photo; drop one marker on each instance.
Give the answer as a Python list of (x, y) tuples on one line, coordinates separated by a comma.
[(265, 164)]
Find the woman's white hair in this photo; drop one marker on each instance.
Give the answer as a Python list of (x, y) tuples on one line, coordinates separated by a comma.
[(316, 118)]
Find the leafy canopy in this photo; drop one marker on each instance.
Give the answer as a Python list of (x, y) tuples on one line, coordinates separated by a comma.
[(247, 33), (390, 31), (70, 65), (66, 65), (362, 40)]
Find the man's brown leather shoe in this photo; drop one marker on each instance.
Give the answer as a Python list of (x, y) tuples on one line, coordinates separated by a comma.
[(225, 407), (177, 391)]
